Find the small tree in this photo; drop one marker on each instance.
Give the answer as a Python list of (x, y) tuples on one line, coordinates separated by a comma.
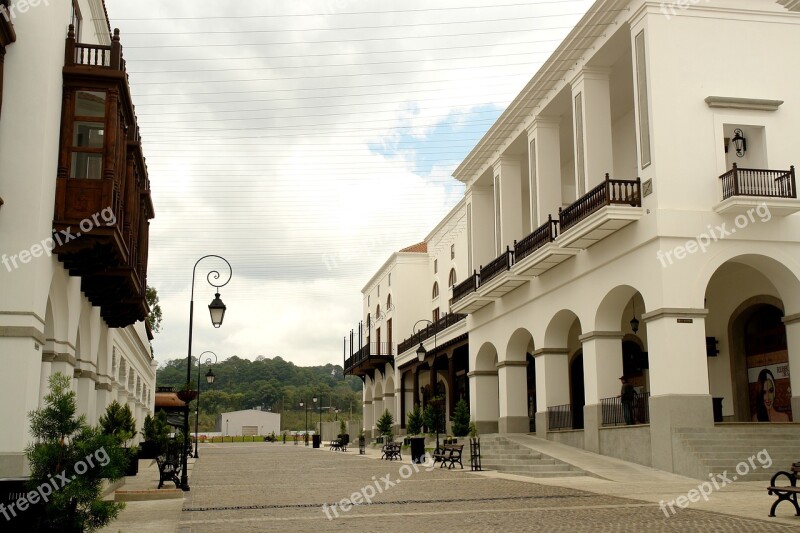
[(385, 423), (429, 418), (342, 427), (119, 422), (155, 430), (461, 419), (62, 442), (414, 421)]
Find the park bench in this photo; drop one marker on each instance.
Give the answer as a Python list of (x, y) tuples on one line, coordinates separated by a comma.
[(169, 469), (786, 493), (339, 444), (391, 451), (449, 453)]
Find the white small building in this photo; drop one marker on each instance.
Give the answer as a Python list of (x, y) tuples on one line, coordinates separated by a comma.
[(249, 422)]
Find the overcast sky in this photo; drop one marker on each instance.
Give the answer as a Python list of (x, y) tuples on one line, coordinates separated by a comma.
[(305, 141)]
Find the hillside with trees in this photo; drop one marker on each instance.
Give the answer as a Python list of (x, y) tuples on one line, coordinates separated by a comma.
[(270, 384)]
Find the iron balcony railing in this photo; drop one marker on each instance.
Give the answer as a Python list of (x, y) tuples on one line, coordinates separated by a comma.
[(614, 414), (429, 331), (501, 264), (466, 287), (544, 234), (609, 192), (372, 350), (758, 182)]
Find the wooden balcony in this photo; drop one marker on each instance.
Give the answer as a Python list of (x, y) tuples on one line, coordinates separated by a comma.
[(538, 252), (371, 356), (746, 189), (607, 208), (103, 204), (429, 331)]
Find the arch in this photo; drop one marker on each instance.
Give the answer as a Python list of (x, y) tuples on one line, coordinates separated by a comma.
[(486, 359), (435, 291), (519, 345), (452, 278), (378, 312), (610, 312), (58, 300), (557, 333), (389, 302)]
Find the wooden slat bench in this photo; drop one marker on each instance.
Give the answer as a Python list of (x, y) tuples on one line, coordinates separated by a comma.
[(449, 453), (169, 469), (391, 451), (787, 493), (338, 444)]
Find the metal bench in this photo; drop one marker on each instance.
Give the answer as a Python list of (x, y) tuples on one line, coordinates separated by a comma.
[(391, 451), (449, 454), (785, 493), (338, 444), (169, 469)]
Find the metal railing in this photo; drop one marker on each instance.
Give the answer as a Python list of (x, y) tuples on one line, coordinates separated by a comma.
[(609, 192), (429, 331), (466, 287), (567, 416), (758, 182), (499, 265), (546, 233), (613, 411)]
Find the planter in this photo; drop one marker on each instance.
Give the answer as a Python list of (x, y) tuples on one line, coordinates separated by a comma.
[(133, 463), (417, 449), (316, 440), (187, 396), (149, 450)]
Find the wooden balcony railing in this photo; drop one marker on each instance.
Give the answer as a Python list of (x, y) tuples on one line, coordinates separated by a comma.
[(499, 265), (429, 331), (758, 182), (464, 288), (609, 192), (542, 235)]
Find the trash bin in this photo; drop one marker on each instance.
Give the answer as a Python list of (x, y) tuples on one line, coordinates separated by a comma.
[(717, 402), (316, 440), (417, 449)]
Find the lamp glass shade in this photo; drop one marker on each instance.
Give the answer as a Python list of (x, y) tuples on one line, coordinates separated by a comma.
[(314, 399), (301, 404), (634, 325), (210, 377), (217, 310), (421, 353), (739, 142)]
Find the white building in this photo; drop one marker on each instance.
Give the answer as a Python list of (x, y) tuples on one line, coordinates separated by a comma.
[(633, 212), (72, 178), (248, 423)]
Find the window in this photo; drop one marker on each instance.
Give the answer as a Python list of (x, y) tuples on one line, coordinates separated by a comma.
[(435, 292), (435, 266), (388, 302), (368, 298), (452, 251), (88, 128), (390, 279), (379, 291), (435, 314), (641, 89), (451, 280), (378, 312)]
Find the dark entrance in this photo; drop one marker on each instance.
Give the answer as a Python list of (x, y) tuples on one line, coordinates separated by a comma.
[(576, 392)]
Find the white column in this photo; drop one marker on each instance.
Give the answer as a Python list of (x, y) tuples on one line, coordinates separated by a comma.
[(547, 186), (591, 100), (484, 400), (552, 383), (602, 368), (508, 184), (369, 418), (513, 381), (792, 323), (480, 215)]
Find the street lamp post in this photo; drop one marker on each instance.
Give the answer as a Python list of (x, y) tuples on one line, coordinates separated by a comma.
[(305, 435), (210, 380), (421, 354), (315, 400), (217, 310)]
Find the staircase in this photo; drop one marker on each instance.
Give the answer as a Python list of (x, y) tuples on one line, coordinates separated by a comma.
[(723, 447), (499, 453)]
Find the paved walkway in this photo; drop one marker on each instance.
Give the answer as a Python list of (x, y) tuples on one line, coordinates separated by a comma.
[(276, 487)]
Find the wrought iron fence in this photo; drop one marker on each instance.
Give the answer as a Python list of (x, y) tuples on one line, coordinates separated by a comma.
[(614, 413)]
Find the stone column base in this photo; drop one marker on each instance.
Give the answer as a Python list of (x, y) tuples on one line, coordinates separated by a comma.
[(671, 412), (486, 426), (592, 420), (514, 424), (14, 465), (796, 408), (541, 424)]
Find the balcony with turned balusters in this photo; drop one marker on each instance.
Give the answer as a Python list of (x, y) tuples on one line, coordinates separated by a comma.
[(748, 189), (103, 190), (607, 208)]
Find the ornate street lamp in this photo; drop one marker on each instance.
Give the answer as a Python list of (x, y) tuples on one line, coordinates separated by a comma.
[(217, 310), (305, 435), (314, 399), (210, 380), (421, 354)]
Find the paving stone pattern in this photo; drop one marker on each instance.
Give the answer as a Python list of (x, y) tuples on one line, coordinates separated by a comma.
[(272, 487)]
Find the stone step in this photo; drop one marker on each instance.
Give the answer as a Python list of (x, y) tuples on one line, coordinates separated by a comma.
[(494, 459), (545, 474), (722, 446), (526, 468)]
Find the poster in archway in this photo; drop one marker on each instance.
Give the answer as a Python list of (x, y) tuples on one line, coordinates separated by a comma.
[(770, 392)]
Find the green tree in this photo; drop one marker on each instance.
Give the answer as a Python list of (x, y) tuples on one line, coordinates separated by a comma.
[(119, 422), (62, 442), (156, 430), (414, 421), (385, 423), (154, 318), (461, 419)]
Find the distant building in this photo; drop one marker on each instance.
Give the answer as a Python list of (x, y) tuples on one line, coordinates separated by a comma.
[(249, 422)]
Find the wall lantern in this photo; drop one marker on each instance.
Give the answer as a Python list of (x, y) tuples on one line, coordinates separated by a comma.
[(634, 321), (739, 142)]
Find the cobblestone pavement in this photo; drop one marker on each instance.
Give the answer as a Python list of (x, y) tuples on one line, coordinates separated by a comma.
[(274, 487)]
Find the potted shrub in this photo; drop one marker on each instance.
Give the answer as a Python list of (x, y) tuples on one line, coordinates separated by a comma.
[(156, 436), (384, 425), (461, 419), (414, 429), (118, 422)]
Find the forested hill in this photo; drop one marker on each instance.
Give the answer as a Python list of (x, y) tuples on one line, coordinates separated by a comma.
[(273, 384)]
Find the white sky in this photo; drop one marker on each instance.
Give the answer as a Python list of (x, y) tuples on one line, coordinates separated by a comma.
[(305, 141)]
